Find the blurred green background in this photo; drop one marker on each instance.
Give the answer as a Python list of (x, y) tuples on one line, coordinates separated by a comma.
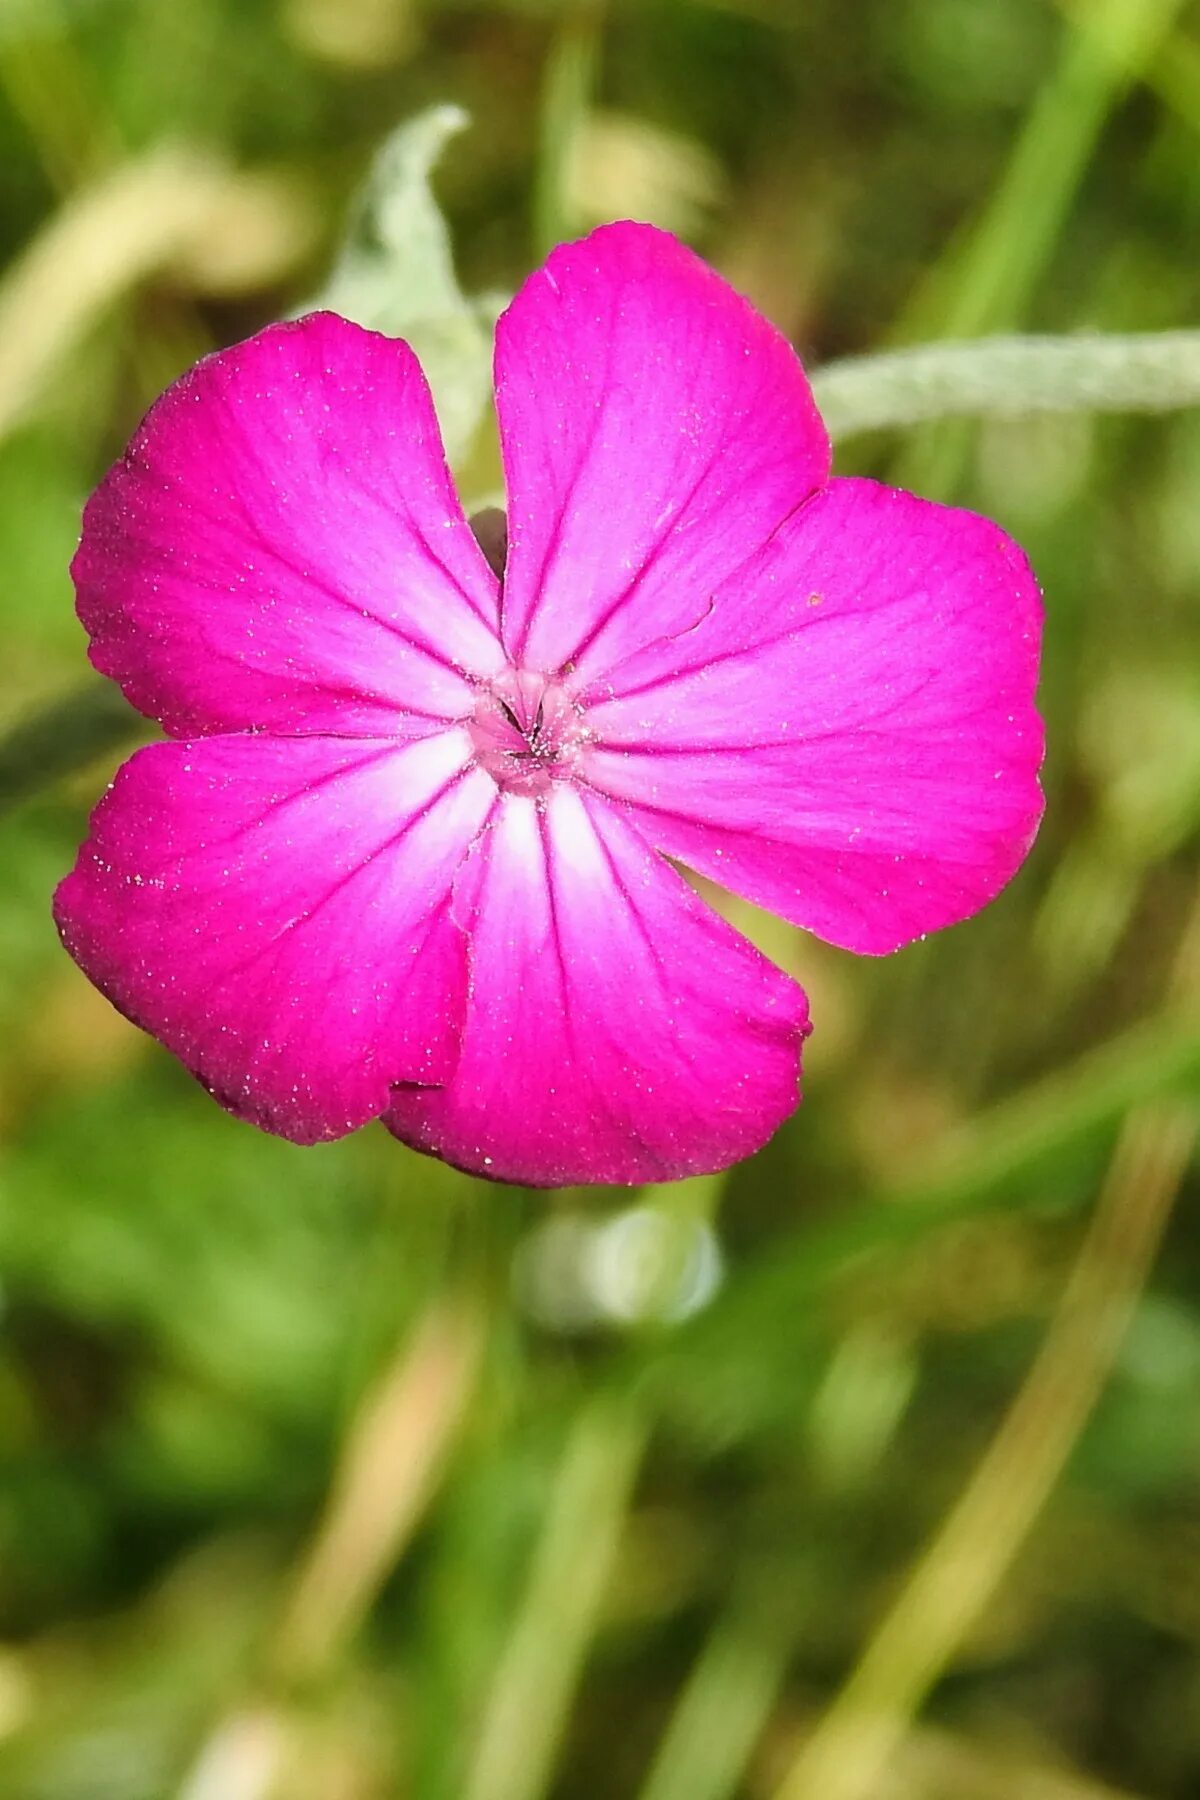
[(869, 1471)]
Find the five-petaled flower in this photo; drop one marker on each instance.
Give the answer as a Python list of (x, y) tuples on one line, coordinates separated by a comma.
[(405, 851)]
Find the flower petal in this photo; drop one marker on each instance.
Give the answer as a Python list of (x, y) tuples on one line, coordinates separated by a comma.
[(849, 738), (281, 546), (277, 912), (618, 1030), (655, 431)]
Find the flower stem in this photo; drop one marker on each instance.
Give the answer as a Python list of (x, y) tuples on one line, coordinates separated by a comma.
[(1005, 377)]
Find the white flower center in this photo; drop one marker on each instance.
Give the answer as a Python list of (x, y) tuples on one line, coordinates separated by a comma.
[(528, 732)]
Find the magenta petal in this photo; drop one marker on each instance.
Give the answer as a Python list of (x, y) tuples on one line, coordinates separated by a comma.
[(849, 738), (618, 1030), (655, 431), (277, 912), (281, 546)]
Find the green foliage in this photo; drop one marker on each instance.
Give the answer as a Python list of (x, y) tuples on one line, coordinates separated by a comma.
[(395, 274)]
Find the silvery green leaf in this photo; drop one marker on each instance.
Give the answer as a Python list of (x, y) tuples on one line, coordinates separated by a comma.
[(395, 273), (1009, 377)]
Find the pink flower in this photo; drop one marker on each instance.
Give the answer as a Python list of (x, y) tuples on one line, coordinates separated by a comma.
[(404, 853)]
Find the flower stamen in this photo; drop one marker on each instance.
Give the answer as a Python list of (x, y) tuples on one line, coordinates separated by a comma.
[(527, 732)]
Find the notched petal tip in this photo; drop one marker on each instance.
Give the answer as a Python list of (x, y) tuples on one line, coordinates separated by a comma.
[(277, 913), (281, 546), (618, 1031), (655, 431), (850, 738)]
